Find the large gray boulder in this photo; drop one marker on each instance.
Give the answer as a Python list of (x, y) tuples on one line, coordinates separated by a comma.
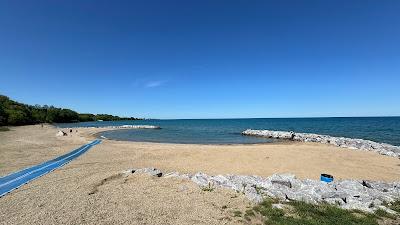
[(252, 194), (201, 179)]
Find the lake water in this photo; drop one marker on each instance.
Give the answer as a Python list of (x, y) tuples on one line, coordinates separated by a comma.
[(227, 131)]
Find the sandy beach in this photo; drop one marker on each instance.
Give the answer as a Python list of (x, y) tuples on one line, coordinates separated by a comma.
[(77, 194)]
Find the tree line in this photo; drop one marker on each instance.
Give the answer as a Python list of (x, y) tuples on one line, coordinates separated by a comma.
[(15, 114)]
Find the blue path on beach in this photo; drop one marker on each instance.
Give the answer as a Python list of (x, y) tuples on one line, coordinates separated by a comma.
[(15, 180)]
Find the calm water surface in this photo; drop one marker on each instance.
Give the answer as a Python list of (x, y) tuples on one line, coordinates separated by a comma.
[(227, 131)]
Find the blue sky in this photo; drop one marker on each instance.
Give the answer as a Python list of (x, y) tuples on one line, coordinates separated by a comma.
[(203, 59)]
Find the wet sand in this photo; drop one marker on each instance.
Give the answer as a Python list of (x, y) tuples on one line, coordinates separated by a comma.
[(67, 195)]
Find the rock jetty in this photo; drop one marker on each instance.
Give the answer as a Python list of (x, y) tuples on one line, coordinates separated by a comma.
[(348, 194), (358, 144)]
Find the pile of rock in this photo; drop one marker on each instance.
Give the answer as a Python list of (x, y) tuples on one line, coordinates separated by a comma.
[(348, 194), (359, 144)]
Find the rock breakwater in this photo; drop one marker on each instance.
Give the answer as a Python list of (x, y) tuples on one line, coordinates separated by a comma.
[(348, 194), (358, 144)]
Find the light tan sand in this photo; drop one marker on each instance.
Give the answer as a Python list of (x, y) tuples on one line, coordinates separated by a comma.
[(303, 159), (29, 145), (63, 196)]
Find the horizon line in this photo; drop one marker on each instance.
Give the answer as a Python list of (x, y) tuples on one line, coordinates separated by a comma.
[(306, 117)]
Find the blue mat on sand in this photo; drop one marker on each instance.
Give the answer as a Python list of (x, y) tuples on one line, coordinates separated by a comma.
[(15, 180)]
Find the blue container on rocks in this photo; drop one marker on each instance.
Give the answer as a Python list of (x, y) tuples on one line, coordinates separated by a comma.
[(326, 178)]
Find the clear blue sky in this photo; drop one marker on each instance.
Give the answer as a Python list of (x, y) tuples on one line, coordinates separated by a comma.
[(204, 59)]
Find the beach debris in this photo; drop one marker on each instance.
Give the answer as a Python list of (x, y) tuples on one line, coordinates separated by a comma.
[(351, 143), (363, 195)]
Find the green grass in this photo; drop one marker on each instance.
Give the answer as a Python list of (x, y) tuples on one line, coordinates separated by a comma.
[(4, 129), (395, 206), (237, 213), (383, 214), (209, 188), (301, 213)]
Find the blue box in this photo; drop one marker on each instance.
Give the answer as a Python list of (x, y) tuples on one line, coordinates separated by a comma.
[(326, 178)]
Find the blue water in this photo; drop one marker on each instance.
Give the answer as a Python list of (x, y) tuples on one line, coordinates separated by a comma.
[(227, 131)]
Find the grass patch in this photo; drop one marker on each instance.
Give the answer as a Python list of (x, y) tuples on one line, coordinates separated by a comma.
[(4, 129), (237, 213), (208, 188), (395, 206), (296, 212), (380, 213)]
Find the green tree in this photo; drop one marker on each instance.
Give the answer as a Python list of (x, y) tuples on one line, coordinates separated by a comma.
[(39, 115), (15, 113), (3, 116), (67, 116), (17, 117), (51, 114), (85, 117)]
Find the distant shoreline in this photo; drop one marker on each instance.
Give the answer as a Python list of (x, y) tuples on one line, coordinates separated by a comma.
[(13, 113)]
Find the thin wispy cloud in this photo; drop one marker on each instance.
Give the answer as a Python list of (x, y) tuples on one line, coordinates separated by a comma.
[(153, 84)]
